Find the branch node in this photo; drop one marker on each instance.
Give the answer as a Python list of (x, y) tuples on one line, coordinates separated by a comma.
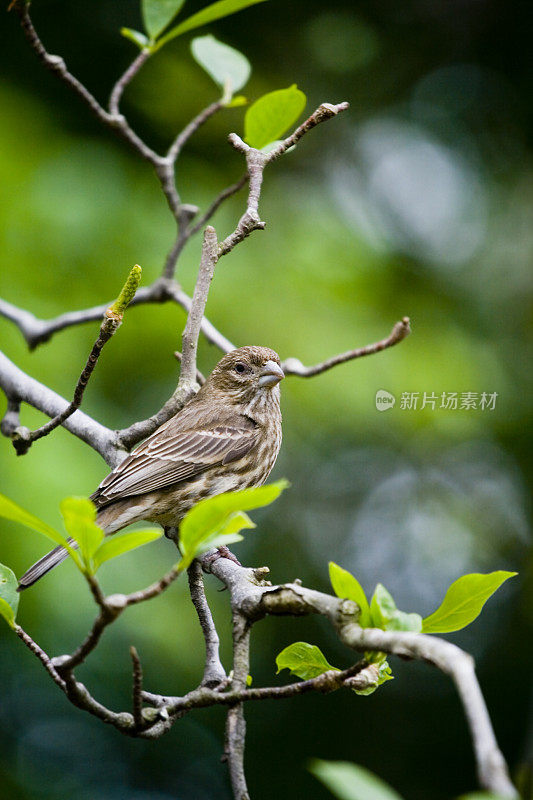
[(22, 441), (116, 603)]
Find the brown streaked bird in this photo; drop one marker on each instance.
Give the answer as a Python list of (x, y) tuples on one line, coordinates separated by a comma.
[(227, 437)]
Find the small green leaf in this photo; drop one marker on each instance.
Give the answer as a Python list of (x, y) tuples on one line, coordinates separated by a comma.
[(346, 586), (229, 68), (216, 518), (224, 534), (463, 601), (385, 614), (136, 37), (270, 116), (78, 515), (157, 14), (115, 546), (222, 8), (240, 100), (384, 673), (249, 680), (9, 597), (12, 511), (304, 660), (351, 782)]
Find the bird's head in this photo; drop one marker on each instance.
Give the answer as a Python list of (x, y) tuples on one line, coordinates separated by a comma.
[(246, 372)]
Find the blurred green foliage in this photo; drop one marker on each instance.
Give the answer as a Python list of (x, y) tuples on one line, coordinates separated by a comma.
[(417, 201)]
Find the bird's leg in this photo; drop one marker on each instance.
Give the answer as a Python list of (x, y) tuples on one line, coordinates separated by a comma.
[(171, 533)]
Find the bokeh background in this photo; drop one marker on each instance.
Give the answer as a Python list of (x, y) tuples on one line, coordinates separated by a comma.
[(417, 201)]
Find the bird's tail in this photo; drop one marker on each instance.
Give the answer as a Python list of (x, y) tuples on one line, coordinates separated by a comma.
[(110, 519), (44, 565)]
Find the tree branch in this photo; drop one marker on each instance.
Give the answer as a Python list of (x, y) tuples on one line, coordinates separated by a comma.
[(36, 331), (256, 161), (137, 688), (22, 437), (57, 66), (19, 387), (214, 672), (196, 312), (235, 722), (292, 366), (254, 600)]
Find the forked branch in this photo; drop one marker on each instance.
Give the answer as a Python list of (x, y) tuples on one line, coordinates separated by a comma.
[(252, 598)]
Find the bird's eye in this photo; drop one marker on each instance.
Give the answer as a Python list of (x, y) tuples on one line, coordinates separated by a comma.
[(240, 367)]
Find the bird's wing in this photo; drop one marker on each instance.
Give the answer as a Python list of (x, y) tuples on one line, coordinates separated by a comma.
[(167, 458)]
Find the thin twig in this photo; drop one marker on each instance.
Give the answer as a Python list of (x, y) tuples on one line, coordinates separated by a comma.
[(55, 63), (256, 161), (107, 615), (41, 655), (195, 316), (21, 387), (327, 682), (214, 672), (153, 590), (137, 687), (57, 66), (125, 79), (24, 441), (292, 366), (217, 202), (324, 112), (22, 437), (190, 129)]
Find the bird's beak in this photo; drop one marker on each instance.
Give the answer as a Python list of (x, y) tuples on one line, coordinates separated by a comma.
[(270, 375)]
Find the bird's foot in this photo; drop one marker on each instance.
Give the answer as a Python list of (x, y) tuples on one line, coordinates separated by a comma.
[(221, 552)]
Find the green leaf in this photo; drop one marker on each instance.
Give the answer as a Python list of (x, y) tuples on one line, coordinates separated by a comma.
[(9, 597), (226, 533), (304, 660), (385, 614), (270, 116), (136, 37), (157, 14), (346, 586), (215, 521), (229, 68), (351, 782), (223, 8), (115, 546), (463, 601), (12, 511), (384, 673), (240, 100), (78, 515)]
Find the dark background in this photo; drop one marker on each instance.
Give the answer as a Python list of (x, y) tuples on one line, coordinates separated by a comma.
[(417, 201)]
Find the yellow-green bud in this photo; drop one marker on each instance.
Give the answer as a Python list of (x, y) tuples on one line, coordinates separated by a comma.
[(117, 309)]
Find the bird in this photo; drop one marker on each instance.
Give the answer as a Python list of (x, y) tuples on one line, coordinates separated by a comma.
[(227, 437)]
